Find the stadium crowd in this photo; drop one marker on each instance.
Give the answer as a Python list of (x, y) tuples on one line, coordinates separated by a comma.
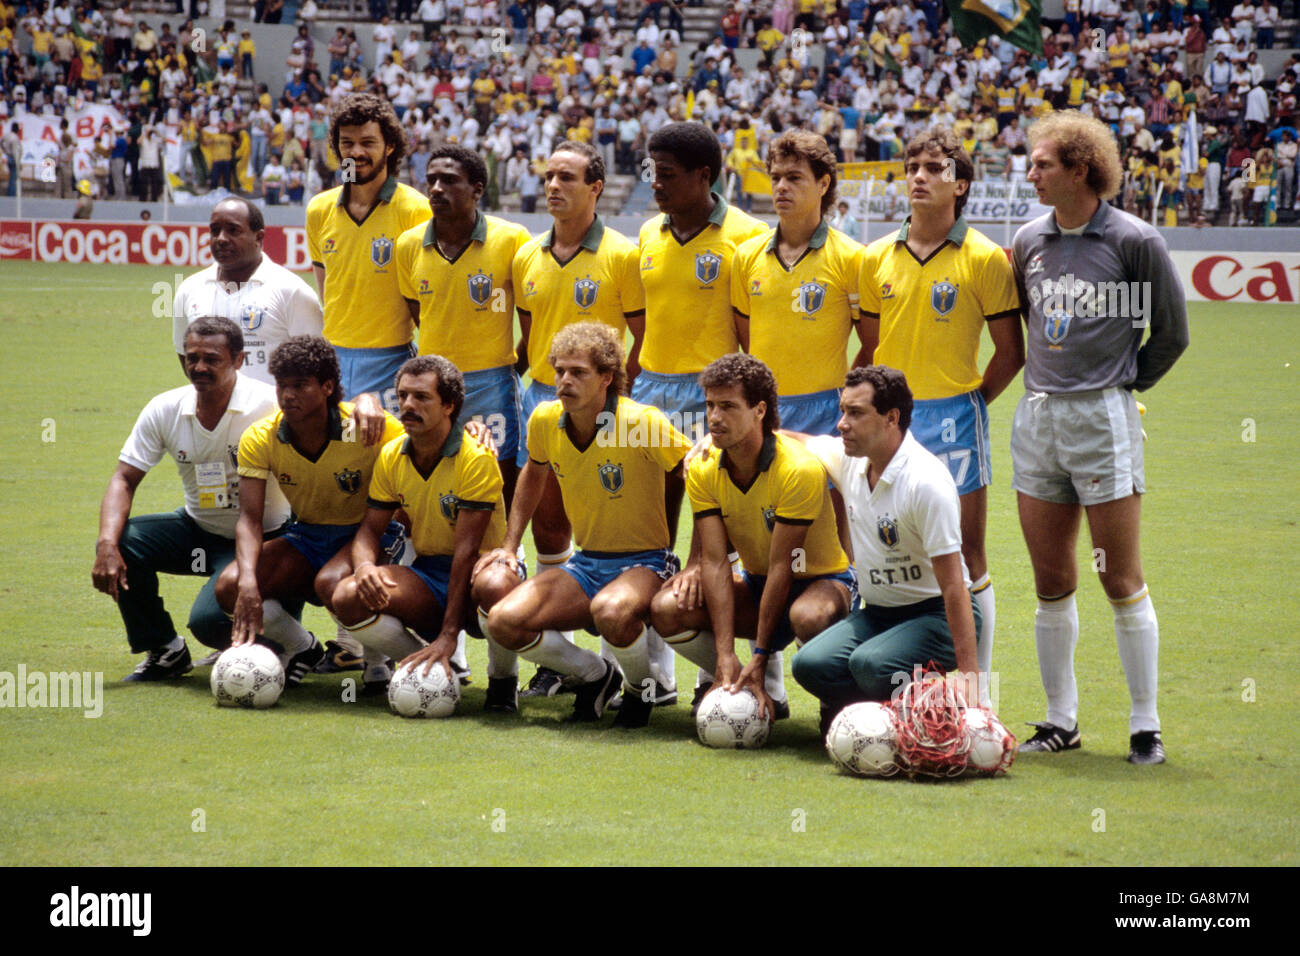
[(510, 80)]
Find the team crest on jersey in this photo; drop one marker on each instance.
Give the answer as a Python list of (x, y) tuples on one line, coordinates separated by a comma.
[(707, 266), (769, 518), (449, 504), (424, 287), (611, 477), (480, 288), (328, 247), (648, 262), (584, 292), (887, 529), (887, 291), (251, 318), (943, 296), (381, 251), (349, 480), (1056, 326), (755, 287), (811, 297)]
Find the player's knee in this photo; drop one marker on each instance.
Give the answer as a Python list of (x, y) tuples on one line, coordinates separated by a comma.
[(615, 618), (665, 616), (1120, 585), (227, 587), (346, 603), (506, 623), (492, 584), (874, 675), (810, 618)]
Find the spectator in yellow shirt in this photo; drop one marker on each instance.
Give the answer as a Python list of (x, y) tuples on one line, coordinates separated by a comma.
[(247, 49)]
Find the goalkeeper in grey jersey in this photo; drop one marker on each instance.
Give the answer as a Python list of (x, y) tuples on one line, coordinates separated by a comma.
[(1093, 281)]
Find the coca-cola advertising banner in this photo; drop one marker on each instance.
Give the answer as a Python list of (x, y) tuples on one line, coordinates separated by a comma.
[(136, 243)]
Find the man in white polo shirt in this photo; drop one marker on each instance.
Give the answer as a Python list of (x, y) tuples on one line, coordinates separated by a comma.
[(265, 299), (199, 426), (905, 523)]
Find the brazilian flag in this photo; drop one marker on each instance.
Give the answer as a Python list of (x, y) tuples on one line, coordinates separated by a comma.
[(1019, 22)]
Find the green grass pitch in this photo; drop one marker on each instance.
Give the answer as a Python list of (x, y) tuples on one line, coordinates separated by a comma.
[(165, 777)]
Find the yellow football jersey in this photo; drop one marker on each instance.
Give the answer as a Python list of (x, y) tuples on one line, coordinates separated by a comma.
[(790, 487), (364, 308), (466, 478), (687, 286), (613, 489), (932, 313), (467, 304), (329, 489), (598, 284), (799, 318)]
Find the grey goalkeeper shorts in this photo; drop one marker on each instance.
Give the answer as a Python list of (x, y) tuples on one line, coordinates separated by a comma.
[(1078, 448)]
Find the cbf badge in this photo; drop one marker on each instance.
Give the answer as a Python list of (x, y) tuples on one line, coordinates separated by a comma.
[(943, 296), (449, 505), (887, 529), (480, 288), (611, 477), (349, 480), (251, 318), (811, 297), (584, 292), (381, 251), (769, 518), (1056, 326), (707, 267)]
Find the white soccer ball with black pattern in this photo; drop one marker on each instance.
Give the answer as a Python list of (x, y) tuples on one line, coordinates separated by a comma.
[(731, 721), (412, 693), (863, 740), (991, 746), (249, 675)]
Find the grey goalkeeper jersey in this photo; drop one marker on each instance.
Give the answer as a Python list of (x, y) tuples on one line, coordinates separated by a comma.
[(1091, 297)]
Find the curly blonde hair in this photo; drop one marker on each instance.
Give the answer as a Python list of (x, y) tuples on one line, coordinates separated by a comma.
[(600, 343), (1082, 141)]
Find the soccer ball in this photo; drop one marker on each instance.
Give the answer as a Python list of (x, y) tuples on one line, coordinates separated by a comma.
[(726, 720), (249, 675), (863, 740), (992, 748), (411, 693)]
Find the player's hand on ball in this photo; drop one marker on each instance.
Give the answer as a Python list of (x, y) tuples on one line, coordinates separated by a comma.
[(248, 617), (727, 672), (439, 652), (751, 678), (370, 418), (484, 435), (109, 572), (373, 585), (688, 588)]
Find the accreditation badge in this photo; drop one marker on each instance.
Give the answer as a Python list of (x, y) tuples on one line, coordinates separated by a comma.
[(214, 489)]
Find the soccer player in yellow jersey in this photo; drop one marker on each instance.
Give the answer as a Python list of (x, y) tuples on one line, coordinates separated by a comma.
[(794, 289), (352, 230), (454, 273), (311, 450), (927, 293), (615, 460), (766, 495), (578, 271), (685, 265), (450, 486)]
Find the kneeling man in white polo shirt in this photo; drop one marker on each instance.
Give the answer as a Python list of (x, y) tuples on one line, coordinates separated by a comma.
[(905, 524)]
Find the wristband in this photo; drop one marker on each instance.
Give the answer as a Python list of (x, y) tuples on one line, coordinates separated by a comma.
[(762, 650)]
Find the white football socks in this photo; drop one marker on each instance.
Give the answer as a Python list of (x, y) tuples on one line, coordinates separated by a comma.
[(698, 648), (982, 591), (458, 658), (663, 662), (383, 635), (773, 674), (634, 661), (1137, 635), (345, 640), (553, 651), (501, 661), (1056, 632), (279, 626)]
